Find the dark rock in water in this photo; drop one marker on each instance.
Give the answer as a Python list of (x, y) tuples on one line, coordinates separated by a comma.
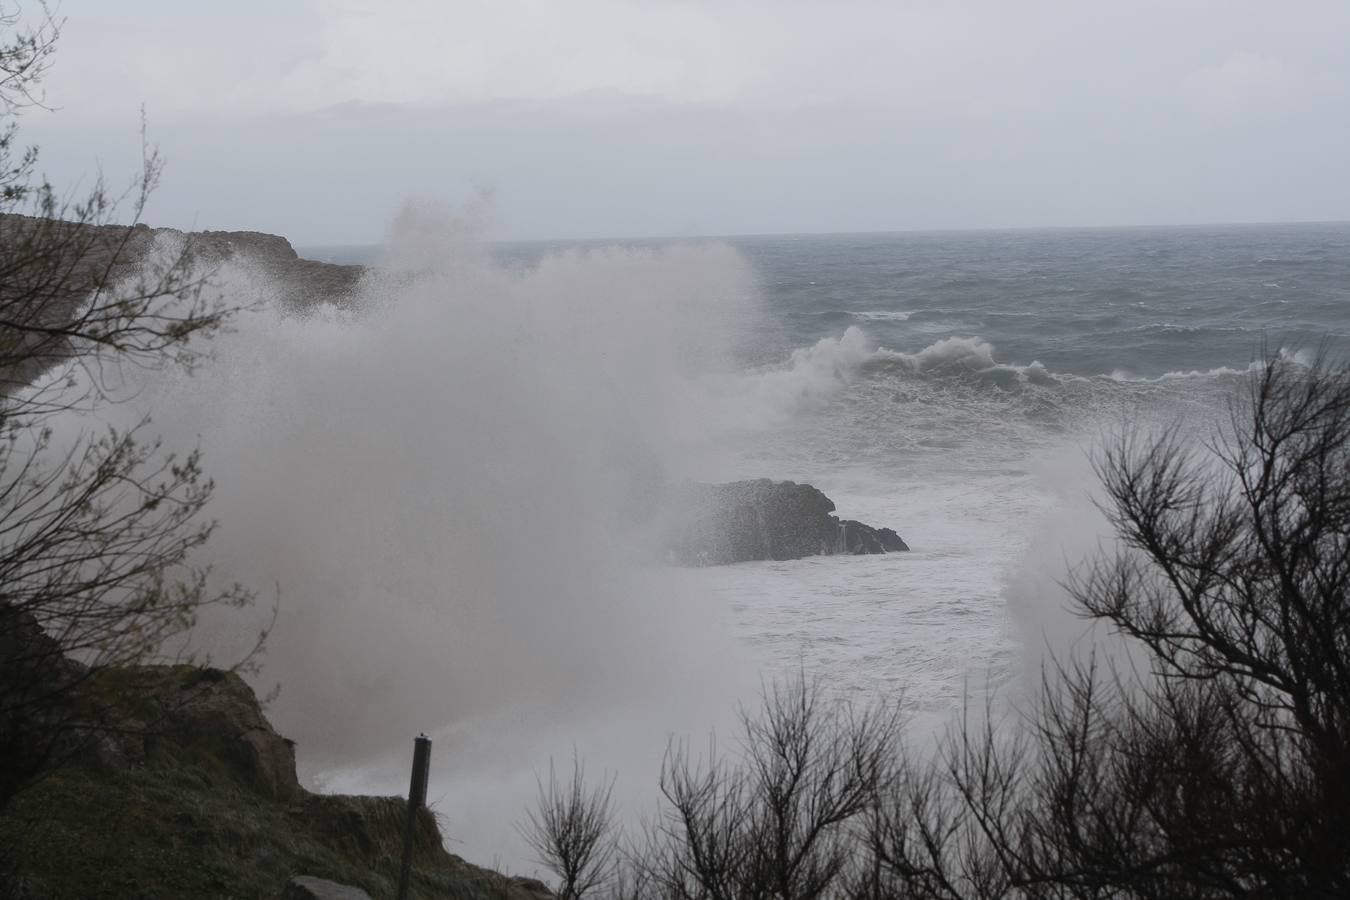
[(856, 538), (305, 887), (754, 520), (890, 541)]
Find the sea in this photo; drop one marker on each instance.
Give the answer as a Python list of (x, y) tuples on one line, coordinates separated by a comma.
[(956, 386)]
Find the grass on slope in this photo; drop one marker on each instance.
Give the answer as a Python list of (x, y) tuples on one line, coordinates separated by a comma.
[(185, 832)]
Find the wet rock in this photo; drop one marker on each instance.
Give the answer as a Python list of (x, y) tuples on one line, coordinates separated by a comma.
[(762, 519), (890, 541)]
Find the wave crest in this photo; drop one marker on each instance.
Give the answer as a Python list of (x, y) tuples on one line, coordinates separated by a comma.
[(833, 361)]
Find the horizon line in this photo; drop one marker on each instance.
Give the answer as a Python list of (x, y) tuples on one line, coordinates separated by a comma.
[(956, 229)]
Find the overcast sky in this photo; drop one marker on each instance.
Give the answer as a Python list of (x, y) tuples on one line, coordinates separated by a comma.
[(614, 118)]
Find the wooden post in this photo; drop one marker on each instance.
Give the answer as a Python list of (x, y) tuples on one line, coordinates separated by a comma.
[(417, 798)]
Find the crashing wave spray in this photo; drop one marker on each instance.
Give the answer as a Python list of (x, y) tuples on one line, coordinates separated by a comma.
[(440, 485)]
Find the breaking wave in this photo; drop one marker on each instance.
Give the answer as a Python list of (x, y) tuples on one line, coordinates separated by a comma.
[(815, 374), (818, 372)]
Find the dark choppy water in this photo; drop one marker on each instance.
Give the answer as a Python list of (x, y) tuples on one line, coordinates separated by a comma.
[(1138, 301)]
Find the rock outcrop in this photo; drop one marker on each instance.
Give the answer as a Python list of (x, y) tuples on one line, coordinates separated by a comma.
[(188, 791), (307, 887), (195, 714), (763, 519)]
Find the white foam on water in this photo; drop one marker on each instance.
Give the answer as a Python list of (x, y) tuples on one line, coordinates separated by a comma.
[(884, 315)]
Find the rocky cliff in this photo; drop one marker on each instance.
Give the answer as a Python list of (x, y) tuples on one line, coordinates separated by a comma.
[(51, 268), (300, 282), (92, 254), (188, 791)]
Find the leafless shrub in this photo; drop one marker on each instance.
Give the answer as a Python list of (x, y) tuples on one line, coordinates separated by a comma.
[(783, 818), (1223, 770), (573, 831)]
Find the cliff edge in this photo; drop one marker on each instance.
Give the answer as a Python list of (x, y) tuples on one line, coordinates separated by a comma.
[(190, 792)]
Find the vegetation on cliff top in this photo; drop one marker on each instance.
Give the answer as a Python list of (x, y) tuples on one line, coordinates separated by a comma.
[(204, 803)]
